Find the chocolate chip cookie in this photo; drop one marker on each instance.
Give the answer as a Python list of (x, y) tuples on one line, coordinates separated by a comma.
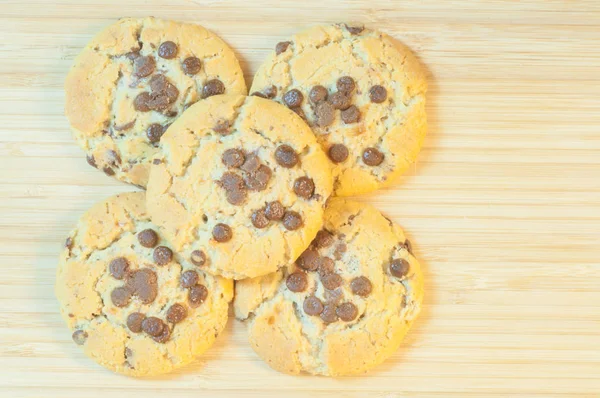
[(362, 93), (241, 185), (346, 303), (133, 80), (133, 304)]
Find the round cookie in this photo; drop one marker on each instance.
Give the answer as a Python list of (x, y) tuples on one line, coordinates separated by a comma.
[(133, 305), (362, 93), (242, 184), (346, 303), (133, 80)]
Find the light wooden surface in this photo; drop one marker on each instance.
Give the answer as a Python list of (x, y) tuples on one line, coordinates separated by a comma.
[(503, 206)]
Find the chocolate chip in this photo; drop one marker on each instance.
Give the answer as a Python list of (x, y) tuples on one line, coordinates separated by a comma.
[(338, 153), (325, 114), (297, 282), (156, 161), (312, 306), (79, 337), (140, 103), (158, 82), (317, 94), (259, 219), (351, 115), (113, 157), (191, 65), (120, 296), (333, 296), (108, 171), (162, 255), (308, 260), (286, 156), (274, 210), (148, 238), (197, 295), (91, 161), (399, 267), (346, 311), (233, 157), (258, 180), (164, 93), (345, 84), (153, 326), (361, 286), (198, 258), (126, 126), (323, 239), (222, 232), (270, 92), (134, 321), (282, 46), (213, 87), (164, 336), (354, 30), (144, 66), (118, 267), (372, 157), (407, 245), (258, 94), (222, 127), (326, 266), (331, 280), (340, 100), (304, 187), (188, 279), (176, 313), (154, 132), (69, 243), (144, 284), (167, 50), (340, 250), (292, 220), (377, 94), (328, 315), (293, 98), (251, 164), (235, 190)]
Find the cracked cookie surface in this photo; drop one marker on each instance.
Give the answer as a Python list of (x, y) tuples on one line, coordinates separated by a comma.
[(134, 79), (346, 303), (241, 185), (362, 93), (134, 305)]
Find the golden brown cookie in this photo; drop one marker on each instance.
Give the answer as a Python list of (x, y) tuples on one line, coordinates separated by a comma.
[(133, 80), (346, 303), (241, 187), (133, 304), (363, 95)]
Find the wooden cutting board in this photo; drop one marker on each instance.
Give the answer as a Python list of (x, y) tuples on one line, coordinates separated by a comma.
[(503, 206)]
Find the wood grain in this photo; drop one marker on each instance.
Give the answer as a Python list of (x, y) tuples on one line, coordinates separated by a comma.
[(503, 205)]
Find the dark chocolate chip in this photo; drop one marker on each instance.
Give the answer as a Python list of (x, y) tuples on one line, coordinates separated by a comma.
[(258, 94), (167, 50), (222, 127), (120, 296), (361, 286), (213, 87), (251, 164), (144, 66), (331, 280), (372, 157), (328, 315), (326, 266), (292, 220), (69, 243), (345, 84), (235, 190), (399, 267), (197, 295), (118, 267), (282, 46), (258, 180), (286, 156), (297, 282), (312, 306), (198, 258), (191, 65), (274, 210), (126, 126), (407, 245), (325, 114), (340, 100), (340, 250), (377, 94), (354, 30), (176, 313), (259, 219), (317, 94), (233, 157), (308, 260), (270, 92), (144, 284), (222, 232), (134, 321), (188, 279), (79, 337), (154, 132), (91, 161), (140, 103), (162, 255), (293, 98), (304, 187), (164, 336), (323, 239), (148, 238), (153, 326), (351, 115), (108, 171), (346, 312), (338, 153)]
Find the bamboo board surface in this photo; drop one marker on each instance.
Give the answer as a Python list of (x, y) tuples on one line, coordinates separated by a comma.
[(503, 205)]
